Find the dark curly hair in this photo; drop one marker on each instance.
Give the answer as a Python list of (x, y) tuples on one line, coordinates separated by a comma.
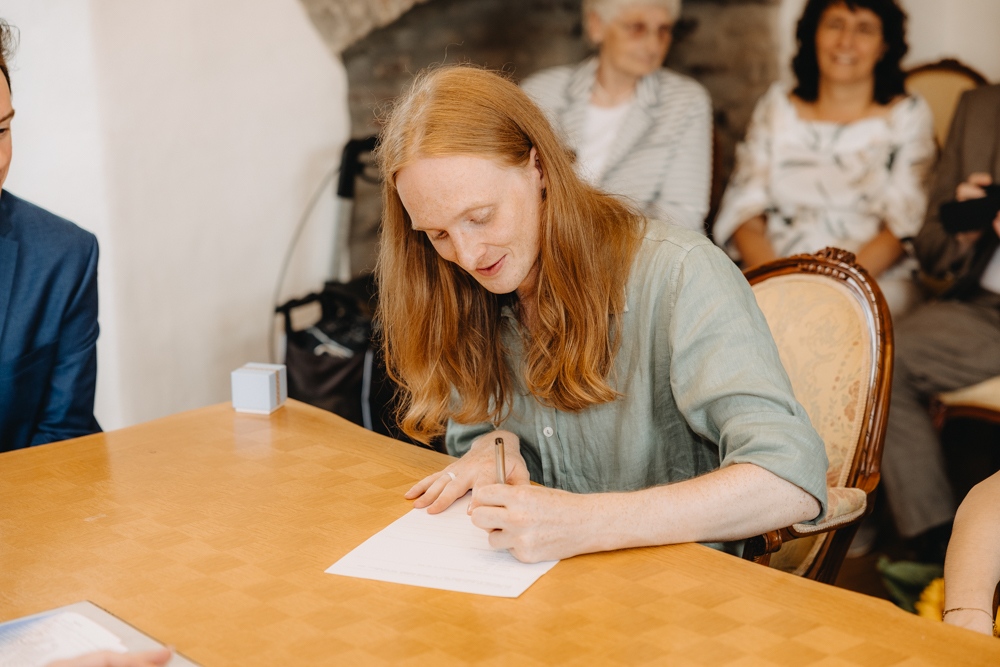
[(8, 41), (889, 77)]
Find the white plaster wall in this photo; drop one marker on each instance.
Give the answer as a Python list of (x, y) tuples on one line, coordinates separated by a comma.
[(212, 123), (968, 30), (788, 18)]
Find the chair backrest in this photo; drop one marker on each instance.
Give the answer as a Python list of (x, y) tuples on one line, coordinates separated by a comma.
[(718, 182), (833, 332), (941, 84)]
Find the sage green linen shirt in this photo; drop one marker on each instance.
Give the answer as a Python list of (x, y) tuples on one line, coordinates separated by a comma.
[(701, 382)]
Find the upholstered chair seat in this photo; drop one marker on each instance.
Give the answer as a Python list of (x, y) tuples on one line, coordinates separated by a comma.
[(981, 401)]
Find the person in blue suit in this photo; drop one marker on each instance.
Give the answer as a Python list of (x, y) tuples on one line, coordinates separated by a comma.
[(48, 311)]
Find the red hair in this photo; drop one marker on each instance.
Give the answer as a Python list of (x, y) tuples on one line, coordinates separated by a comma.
[(442, 331)]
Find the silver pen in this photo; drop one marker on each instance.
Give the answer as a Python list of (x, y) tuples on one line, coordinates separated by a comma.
[(501, 465)]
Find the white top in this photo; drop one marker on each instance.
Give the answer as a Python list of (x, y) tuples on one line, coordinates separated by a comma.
[(990, 279), (661, 156), (599, 131), (828, 184)]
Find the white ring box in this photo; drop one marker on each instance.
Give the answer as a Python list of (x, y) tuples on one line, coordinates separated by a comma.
[(259, 389)]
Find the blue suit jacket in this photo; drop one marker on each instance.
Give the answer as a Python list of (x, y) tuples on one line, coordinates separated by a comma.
[(48, 326)]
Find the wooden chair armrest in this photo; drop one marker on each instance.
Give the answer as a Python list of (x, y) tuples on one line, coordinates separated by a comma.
[(869, 484), (795, 534), (760, 547)]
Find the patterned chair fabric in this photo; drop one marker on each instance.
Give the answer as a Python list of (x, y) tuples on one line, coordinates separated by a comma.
[(822, 334)]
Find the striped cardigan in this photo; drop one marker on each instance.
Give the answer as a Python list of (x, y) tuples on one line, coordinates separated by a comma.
[(662, 156)]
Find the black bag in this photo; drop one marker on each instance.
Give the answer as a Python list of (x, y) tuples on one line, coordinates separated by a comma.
[(335, 364), (972, 214)]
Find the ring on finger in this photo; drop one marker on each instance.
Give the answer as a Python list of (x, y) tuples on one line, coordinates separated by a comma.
[(450, 474)]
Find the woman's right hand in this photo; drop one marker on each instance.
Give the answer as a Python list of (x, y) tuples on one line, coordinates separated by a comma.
[(477, 468)]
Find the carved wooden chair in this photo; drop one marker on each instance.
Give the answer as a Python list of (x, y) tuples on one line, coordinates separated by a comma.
[(941, 84), (833, 332)]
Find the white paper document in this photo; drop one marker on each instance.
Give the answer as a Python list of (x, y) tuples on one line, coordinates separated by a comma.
[(70, 631), (37, 641), (442, 551)]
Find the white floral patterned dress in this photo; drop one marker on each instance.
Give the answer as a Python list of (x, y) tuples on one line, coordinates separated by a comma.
[(828, 184)]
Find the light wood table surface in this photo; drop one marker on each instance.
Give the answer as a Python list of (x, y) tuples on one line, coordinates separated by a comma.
[(211, 530)]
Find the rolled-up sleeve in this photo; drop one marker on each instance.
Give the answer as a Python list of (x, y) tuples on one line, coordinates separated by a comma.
[(728, 380)]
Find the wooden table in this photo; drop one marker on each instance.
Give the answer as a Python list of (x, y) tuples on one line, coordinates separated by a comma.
[(210, 530)]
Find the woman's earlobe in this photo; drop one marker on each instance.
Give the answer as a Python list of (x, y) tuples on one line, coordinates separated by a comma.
[(538, 165), (595, 28)]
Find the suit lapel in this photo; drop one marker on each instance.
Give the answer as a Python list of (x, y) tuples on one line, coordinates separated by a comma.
[(8, 262), (637, 122)]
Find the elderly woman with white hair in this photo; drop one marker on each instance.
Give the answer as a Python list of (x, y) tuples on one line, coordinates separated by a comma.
[(638, 129)]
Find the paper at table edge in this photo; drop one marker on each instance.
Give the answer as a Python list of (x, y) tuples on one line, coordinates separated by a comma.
[(442, 551), (132, 637)]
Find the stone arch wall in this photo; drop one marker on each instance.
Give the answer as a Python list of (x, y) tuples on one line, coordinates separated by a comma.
[(730, 46), (343, 22)]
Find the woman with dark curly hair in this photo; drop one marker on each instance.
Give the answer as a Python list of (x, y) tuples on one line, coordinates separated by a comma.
[(841, 159)]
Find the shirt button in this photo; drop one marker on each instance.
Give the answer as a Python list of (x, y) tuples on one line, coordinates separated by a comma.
[(548, 431)]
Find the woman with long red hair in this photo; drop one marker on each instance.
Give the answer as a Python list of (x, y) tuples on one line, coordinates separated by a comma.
[(623, 362)]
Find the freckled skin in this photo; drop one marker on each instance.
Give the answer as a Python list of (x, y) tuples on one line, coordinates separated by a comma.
[(537, 523), (477, 212), (484, 217)]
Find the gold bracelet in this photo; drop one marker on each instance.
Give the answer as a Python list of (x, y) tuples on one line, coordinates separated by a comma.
[(948, 611)]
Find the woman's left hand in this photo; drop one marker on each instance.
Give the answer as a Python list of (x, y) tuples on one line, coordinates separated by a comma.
[(537, 523)]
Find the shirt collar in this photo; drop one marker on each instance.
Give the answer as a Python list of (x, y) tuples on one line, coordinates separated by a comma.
[(647, 90)]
